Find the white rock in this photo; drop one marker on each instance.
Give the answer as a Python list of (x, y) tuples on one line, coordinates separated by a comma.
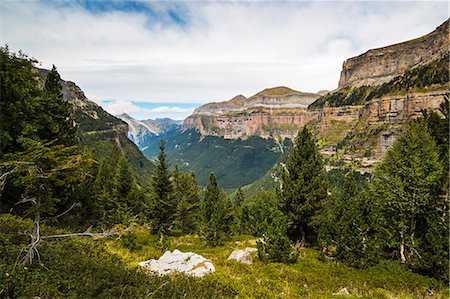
[(251, 249), (241, 256), (184, 262), (342, 292)]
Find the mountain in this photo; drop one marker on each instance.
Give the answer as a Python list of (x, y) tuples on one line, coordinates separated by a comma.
[(99, 130), (141, 131), (271, 113), (355, 124), (378, 66)]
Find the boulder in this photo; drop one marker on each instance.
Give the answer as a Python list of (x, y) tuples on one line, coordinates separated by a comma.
[(187, 263), (241, 256), (251, 249)]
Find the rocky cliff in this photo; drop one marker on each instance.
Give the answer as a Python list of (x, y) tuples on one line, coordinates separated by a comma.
[(273, 112), (384, 86), (378, 66)]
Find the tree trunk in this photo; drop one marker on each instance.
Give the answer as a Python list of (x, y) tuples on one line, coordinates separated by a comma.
[(402, 249)]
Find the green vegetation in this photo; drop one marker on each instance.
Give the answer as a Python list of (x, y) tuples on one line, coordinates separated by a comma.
[(73, 225), (431, 76), (304, 188), (276, 91), (236, 162)]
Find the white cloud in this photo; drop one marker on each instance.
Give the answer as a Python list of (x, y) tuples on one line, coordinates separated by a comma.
[(133, 109), (226, 48)]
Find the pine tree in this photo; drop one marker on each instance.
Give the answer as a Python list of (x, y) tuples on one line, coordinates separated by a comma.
[(62, 122), (187, 195), (216, 212), (304, 188), (163, 206), (407, 189), (52, 85), (238, 225)]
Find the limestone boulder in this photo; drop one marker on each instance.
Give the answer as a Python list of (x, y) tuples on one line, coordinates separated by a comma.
[(241, 256), (188, 263)]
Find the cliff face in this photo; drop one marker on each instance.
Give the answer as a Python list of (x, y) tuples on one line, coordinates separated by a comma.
[(285, 123), (379, 66), (271, 98), (416, 77), (90, 117), (274, 112)]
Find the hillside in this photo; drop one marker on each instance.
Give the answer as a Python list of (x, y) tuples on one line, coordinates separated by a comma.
[(99, 130), (234, 162)]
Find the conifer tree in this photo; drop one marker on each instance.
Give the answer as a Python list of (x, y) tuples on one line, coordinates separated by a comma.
[(62, 122), (348, 224), (304, 188), (52, 85), (163, 206), (187, 196), (216, 212), (407, 189), (238, 211)]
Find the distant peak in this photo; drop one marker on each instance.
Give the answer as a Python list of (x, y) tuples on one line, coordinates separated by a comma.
[(277, 91), (123, 115)]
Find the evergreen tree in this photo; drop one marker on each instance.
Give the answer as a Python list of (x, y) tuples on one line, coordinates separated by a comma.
[(163, 206), (187, 196), (216, 212), (407, 189), (63, 123), (304, 188), (348, 224), (52, 83), (239, 199)]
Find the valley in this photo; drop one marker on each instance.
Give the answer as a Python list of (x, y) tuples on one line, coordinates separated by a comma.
[(279, 193)]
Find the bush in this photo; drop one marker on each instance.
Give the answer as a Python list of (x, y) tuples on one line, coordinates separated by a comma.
[(276, 247)]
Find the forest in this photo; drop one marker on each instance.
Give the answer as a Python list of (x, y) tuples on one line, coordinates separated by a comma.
[(75, 222)]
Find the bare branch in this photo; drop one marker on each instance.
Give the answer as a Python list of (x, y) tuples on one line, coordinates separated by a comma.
[(75, 204), (85, 234), (28, 199)]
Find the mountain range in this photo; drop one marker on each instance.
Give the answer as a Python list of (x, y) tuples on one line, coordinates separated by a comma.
[(141, 131), (377, 92)]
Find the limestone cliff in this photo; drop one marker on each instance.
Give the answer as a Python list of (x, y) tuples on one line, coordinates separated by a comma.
[(378, 66), (273, 112)]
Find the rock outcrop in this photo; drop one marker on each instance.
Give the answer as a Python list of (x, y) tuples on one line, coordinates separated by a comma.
[(187, 263), (241, 256), (281, 112), (378, 66), (285, 123)]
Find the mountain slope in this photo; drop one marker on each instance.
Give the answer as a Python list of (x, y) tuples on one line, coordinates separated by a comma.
[(234, 162), (100, 131)]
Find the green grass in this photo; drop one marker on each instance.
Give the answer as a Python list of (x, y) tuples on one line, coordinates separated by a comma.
[(310, 277), (276, 91), (335, 133), (86, 268)]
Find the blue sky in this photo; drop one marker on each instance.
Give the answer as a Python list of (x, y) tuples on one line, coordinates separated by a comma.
[(162, 59)]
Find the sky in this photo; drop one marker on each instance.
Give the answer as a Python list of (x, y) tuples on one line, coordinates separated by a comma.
[(155, 59)]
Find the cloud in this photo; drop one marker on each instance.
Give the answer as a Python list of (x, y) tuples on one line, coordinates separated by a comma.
[(137, 111), (207, 51)]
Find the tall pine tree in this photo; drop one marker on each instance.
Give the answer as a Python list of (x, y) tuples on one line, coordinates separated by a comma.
[(163, 210), (216, 212), (187, 195), (304, 188), (62, 122)]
